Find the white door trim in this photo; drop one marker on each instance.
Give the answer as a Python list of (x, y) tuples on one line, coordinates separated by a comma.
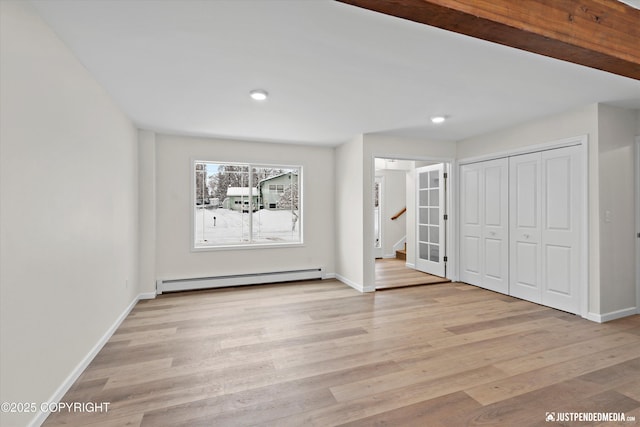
[(638, 224), (561, 143), (379, 252)]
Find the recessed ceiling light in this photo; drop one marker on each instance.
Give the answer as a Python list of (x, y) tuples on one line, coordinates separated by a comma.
[(259, 94), (438, 119)]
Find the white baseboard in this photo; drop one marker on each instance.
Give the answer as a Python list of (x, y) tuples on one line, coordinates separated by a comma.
[(187, 284), (329, 276), (410, 265), (146, 295), (393, 255), (593, 317), (399, 244), (356, 286), (346, 281), (41, 416), (618, 314)]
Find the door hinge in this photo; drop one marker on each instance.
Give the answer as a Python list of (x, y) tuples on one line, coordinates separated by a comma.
[(445, 259), (446, 217), (638, 235), (445, 175)]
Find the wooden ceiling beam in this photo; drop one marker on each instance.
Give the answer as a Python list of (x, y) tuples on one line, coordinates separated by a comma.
[(601, 34)]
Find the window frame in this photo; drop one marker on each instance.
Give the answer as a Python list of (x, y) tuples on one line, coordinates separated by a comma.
[(245, 245)]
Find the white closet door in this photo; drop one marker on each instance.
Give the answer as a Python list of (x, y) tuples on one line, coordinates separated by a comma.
[(525, 227), (521, 234), (470, 224), (485, 226), (496, 226), (561, 238)]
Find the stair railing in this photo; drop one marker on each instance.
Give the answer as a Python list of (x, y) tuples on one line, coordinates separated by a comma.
[(396, 216)]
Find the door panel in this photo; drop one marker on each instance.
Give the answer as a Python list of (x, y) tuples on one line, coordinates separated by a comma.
[(558, 192), (496, 225), (526, 183), (558, 273), (484, 228), (527, 260), (493, 262), (471, 255), (524, 209), (494, 184), (470, 228), (561, 203), (471, 195), (430, 227)]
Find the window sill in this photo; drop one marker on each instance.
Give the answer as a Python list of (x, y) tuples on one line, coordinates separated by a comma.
[(246, 247)]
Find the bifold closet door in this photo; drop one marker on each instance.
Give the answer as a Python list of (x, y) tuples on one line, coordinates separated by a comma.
[(545, 200), (484, 208), (525, 270), (562, 216)]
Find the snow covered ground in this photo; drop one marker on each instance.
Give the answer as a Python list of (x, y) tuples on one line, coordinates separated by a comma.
[(232, 227)]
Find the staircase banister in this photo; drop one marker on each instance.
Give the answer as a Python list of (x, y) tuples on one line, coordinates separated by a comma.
[(396, 216)]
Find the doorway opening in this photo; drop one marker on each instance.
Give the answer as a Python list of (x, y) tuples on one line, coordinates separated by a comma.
[(411, 221)]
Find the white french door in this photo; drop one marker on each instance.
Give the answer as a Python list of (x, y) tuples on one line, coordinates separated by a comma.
[(430, 214), (484, 212)]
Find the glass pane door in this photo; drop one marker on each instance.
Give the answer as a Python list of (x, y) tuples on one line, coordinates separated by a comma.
[(430, 218)]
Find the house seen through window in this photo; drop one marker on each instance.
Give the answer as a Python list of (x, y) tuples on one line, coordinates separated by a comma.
[(246, 204)]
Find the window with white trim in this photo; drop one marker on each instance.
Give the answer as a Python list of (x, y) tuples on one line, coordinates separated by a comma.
[(235, 207)]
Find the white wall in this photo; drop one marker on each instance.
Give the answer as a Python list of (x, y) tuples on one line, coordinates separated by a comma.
[(579, 121), (617, 130), (147, 210), (393, 200), (68, 213), (348, 213), (174, 258)]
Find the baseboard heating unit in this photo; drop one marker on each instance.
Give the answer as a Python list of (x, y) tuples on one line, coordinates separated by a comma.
[(176, 285)]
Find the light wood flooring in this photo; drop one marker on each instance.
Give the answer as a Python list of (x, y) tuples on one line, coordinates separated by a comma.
[(393, 273), (322, 354)]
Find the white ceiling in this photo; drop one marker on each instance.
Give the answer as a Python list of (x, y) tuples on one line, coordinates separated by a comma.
[(632, 3), (332, 70)]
